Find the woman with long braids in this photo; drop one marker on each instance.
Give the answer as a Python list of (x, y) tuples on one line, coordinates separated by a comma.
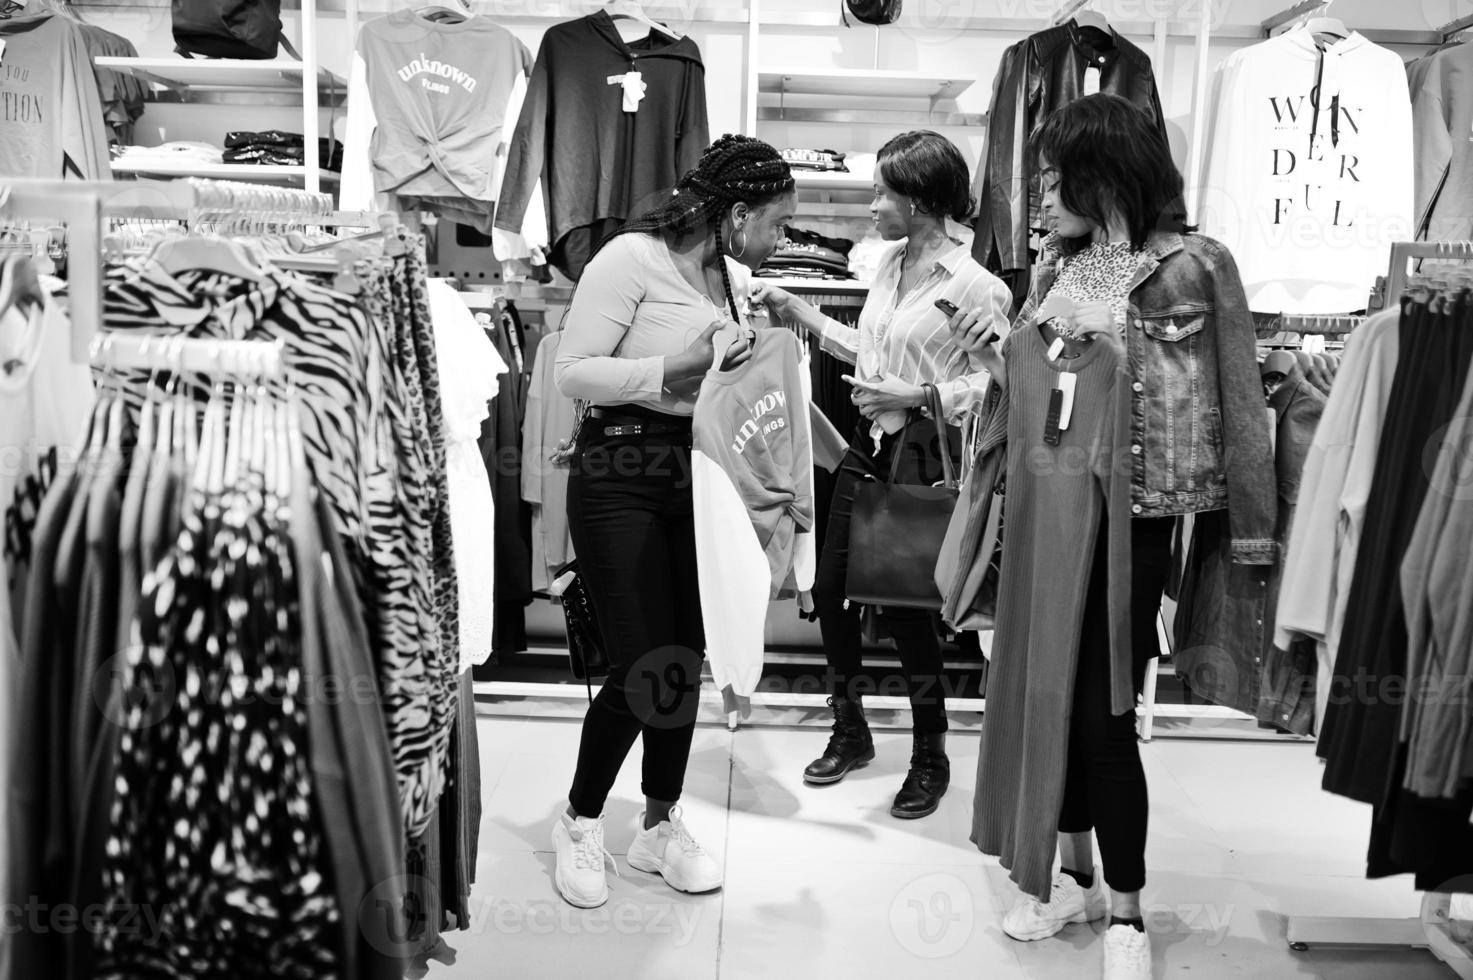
[(637, 344), (902, 344)]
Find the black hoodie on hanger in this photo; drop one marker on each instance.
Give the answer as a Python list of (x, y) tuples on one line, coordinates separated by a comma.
[(599, 164)]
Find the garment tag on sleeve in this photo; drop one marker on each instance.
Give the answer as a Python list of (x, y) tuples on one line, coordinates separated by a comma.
[(634, 89), (1091, 79)]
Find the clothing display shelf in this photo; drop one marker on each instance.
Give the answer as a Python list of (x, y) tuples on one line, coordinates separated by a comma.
[(312, 177), (845, 287), (863, 85), (1431, 930), (234, 78), (812, 180), (199, 77)]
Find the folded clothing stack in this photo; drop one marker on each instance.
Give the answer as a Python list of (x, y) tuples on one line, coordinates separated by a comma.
[(278, 149), (178, 153), (809, 255), (821, 161)]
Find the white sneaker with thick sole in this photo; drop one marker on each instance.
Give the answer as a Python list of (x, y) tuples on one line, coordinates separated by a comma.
[(1031, 920), (1127, 954), (581, 859), (667, 849)]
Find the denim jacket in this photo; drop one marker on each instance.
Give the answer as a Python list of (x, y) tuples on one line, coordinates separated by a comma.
[(1199, 428)]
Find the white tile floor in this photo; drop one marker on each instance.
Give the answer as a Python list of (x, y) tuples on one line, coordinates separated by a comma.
[(823, 882)]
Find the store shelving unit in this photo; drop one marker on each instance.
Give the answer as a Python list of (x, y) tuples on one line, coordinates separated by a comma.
[(315, 177), (269, 82), (199, 76), (859, 88)]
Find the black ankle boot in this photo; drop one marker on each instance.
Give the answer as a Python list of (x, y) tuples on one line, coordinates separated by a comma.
[(925, 784), (850, 747)]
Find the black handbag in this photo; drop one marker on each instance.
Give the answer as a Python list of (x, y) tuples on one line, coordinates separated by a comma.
[(877, 12), (586, 656), (896, 531), (249, 29)]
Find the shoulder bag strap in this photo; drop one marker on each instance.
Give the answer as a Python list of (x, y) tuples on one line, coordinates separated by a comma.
[(938, 415)]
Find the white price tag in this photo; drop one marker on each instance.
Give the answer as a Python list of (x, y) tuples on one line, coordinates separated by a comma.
[(634, 89), (1067, 381), (1091, 79)]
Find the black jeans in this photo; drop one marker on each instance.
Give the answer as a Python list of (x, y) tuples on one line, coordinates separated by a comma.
[(1104, 782), (914, 630), (631, 520)]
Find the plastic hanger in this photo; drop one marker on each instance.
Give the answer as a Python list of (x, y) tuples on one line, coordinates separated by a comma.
[(1092, 18), (634, 10), (1322, 25), (454, 11), (1327, 26), (1277, 362), (209, 254)]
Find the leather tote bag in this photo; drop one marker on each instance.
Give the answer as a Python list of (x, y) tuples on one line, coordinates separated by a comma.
[(896, 532), (249, 29), (877, 12)]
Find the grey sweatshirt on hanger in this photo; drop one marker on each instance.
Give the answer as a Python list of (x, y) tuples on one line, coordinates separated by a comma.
[(439, 92), (50, 109)]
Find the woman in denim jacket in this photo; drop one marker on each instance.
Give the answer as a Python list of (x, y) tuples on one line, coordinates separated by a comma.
[(1189, 435)]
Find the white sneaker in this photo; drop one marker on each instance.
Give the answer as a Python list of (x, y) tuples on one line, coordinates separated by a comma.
[(668, 849), (1031, 920), (1127, 954), (581, 859)]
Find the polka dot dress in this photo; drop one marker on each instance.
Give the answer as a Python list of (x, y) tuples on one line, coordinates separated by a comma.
[(214, 832)]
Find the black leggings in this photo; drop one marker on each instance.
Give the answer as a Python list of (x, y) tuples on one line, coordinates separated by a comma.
[(1104, 783), (914, 630), (631, 520)]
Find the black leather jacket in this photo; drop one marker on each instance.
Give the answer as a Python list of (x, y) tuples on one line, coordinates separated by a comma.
[(1037, 76)]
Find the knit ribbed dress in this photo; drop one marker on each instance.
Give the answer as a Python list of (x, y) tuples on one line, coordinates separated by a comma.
[(1056, 496)]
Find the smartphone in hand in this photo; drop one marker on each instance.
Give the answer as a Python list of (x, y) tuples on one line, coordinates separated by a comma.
[(947, 307)]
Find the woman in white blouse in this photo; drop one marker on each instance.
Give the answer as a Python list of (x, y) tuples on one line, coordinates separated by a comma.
[(903, 341)]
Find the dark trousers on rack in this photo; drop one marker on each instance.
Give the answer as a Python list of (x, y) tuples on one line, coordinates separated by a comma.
[(914, 630), (632, 522), (1104, 782)]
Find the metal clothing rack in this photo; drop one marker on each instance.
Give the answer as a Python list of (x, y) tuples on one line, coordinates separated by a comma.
[(83, 207), (113, 351), (1432, 929), (78, 206)]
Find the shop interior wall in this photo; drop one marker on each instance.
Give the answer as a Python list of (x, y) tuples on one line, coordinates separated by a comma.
[(930, 38)]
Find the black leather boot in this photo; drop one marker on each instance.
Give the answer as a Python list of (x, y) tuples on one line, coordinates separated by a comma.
[(925, 784), (850, 747)]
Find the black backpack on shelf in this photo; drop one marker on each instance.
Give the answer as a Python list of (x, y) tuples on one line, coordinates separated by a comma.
[(248, 29), (878, 12)]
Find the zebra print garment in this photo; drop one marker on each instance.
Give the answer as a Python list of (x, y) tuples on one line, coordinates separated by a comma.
[(354, 422)]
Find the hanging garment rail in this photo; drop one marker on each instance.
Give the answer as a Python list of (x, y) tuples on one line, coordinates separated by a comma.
[(1431, 930), (114, 351), (1308, 323), (1403, 253), (1455, 27), (78, 206)]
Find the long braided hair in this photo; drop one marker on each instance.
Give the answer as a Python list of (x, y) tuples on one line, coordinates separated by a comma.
[(733, 169)]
